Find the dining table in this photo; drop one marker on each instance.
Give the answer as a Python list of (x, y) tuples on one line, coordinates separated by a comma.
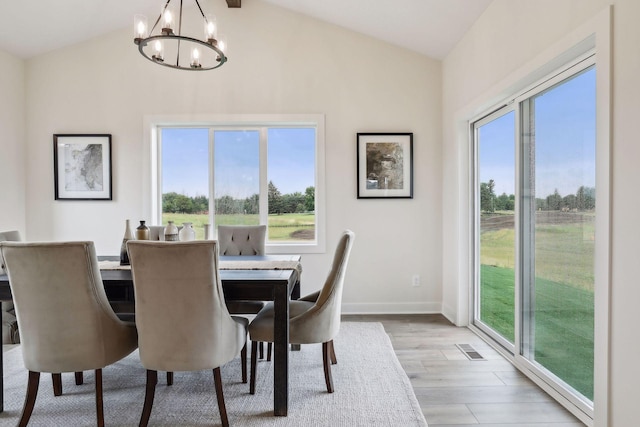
[(261, 278)]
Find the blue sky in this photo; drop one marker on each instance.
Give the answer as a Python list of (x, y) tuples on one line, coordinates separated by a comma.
[(185, 152), (564, 140)]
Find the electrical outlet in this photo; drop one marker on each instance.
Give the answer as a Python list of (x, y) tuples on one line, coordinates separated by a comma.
[(415, 280)]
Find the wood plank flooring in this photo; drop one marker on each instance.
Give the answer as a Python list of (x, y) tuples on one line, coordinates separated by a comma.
[(455, 391)]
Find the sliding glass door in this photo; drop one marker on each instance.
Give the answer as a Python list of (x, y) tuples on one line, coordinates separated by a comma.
[(559, 243), (535, 193), (495, 151)]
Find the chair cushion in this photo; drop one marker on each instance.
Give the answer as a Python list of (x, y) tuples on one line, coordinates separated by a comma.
[(261, 328), (244, 307)]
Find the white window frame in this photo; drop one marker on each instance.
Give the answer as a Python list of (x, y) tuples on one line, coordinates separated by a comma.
[(152, 205)]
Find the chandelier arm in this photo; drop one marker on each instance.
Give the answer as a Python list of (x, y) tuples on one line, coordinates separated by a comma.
[(150, 40), (179, 34), (201, 12)]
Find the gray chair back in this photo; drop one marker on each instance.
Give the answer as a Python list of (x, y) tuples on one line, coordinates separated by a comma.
[(321, 323), (8, 236), (242, 239), (182, 320), (66, 322)]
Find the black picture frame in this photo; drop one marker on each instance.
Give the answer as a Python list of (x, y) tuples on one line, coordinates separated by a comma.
[(82, 166), (385, 165)]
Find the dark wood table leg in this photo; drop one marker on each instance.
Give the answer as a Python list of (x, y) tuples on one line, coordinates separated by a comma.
[(295, 294), (281, 351)]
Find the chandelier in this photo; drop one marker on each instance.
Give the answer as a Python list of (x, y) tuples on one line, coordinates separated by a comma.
[(168, 47)]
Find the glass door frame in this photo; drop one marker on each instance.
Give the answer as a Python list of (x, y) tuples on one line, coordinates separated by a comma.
[(476, 321), (514, 352)]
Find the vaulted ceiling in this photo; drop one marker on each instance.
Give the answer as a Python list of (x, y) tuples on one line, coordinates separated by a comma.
[(431, 27)]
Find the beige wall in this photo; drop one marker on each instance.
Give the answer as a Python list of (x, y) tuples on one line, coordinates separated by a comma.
[(502, 44), (280, 62), (12, 160)]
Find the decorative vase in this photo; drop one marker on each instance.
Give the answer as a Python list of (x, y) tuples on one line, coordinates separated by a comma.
[(187, 233), (171, 232), (128, 235), (142, 232), (207, 231)]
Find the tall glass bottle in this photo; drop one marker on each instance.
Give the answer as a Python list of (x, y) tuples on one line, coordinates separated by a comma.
[(128, 235)]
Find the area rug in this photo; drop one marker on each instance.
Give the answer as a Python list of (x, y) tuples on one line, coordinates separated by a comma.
[(371, 389)]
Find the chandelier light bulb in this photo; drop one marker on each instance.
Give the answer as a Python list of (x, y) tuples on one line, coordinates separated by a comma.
[(210, 27), (167, 19), (222, 44), (139, 27), (158, 48), (195, 58)]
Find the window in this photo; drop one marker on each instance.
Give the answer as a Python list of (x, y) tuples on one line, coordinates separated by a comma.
[(251, 171), (535, 207)]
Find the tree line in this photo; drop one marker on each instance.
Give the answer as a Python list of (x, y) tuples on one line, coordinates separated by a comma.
[(583, 200), (227, 205)]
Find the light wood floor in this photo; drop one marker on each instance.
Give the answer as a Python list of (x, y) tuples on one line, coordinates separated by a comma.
[(454, 391)]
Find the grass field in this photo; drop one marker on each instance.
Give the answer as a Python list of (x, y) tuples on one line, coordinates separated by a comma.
[(285, 227), (563, 309)]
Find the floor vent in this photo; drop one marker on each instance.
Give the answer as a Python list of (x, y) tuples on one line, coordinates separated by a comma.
[(470, 352)]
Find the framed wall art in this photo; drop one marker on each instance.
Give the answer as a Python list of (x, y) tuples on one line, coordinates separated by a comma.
[(385, 165), (82, 167)]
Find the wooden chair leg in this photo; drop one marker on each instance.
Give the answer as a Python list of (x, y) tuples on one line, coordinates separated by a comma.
[(243, 361), (30, 398), (269, 350), (152, 380), (56, 379), (79, 378), (327, 366), (99, 401), (261, 350), (169, 378), (333, 353), (254, 355), (221, 406)]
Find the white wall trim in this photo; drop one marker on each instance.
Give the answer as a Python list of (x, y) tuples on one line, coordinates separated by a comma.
[(393, 308)]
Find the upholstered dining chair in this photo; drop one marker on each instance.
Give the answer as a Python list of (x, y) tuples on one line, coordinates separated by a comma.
[(84, 335), (312, 319), (183, 322), (8, 236), (6, 307), (56, 378), (244, 240)]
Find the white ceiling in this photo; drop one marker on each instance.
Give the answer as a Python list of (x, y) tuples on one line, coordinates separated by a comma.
[(431, 27)]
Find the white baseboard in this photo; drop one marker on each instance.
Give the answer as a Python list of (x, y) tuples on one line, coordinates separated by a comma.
[(392, 308), (450, 314)]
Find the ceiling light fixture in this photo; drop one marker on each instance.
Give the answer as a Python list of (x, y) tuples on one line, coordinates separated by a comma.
[(189, 53)]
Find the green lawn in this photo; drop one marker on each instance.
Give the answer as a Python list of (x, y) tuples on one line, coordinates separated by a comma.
[(563, 324), (285, 227), (563, 307)]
